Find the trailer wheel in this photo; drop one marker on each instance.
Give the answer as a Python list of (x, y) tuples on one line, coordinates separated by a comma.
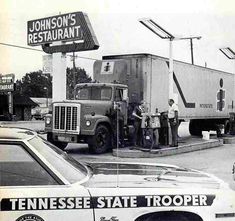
[(101, 141), (195, 127), (60, 145), (226, 127)]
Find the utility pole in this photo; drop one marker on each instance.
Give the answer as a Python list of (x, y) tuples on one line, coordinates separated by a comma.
[(191, 46), (73, 57)]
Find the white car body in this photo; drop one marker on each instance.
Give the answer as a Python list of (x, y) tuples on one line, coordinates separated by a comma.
[(106, 191)]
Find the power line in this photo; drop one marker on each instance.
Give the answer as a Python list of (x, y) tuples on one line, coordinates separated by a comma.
[(33, 49), (17, 46)]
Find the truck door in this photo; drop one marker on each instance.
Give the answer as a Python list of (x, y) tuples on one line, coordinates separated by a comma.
[(121, 98)]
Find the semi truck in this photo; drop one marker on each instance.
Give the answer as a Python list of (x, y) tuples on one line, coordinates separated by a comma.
[(205, 98)]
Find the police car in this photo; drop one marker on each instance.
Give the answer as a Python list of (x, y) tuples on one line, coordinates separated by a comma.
[(40, 182)]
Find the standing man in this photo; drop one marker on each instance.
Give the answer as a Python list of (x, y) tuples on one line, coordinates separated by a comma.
[(156, 127), (174, 122), (137, 114)]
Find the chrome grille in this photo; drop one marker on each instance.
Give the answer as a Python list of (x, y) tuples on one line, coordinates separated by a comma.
[(66, 117)]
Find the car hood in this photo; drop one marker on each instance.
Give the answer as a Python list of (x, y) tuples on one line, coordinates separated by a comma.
[(149, 176)]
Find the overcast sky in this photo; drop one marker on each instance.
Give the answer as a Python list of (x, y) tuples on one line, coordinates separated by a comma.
[(118, 31)]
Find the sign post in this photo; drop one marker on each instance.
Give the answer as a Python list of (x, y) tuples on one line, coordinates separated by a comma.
[(47, 64), (59, 76)]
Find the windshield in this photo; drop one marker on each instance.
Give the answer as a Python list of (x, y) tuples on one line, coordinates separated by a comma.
[(69, 168), (93, 93)]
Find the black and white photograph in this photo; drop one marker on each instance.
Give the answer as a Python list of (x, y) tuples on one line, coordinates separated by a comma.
[(117, 110)]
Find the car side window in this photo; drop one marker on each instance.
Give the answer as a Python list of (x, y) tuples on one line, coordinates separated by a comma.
[(19, 168)]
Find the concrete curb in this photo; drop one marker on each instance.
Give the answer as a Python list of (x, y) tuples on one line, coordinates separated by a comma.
[(142, 153), (229, 140)]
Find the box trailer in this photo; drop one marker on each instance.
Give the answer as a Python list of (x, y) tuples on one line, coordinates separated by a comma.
[(204, 96)]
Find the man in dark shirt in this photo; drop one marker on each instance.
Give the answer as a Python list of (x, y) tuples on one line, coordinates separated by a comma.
[(137, 114)]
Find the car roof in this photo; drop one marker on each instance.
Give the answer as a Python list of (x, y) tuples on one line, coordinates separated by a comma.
[(10, 133)]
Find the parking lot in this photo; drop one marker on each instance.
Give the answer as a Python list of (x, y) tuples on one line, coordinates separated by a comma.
[(217, 161)]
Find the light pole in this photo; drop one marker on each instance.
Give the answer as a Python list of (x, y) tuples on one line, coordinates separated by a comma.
[(191, 44), (163, 34), (73, 57), (228, 52)]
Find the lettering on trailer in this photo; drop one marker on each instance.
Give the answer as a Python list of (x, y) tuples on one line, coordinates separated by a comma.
[(221, 97), (206, 105), (107, 67), (101, 202), (186, 104)]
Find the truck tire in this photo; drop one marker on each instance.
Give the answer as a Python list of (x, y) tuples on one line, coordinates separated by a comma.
[(195, 127), (101, 141), (226, 127), (60, 145)]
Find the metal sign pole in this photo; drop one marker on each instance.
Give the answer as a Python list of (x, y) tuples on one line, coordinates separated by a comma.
[(117, 109)]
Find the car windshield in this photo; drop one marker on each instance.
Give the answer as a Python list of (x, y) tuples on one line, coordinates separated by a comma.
[(69, 168), (93, 93)]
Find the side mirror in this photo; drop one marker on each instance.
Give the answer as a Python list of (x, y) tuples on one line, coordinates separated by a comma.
[(116, 105)]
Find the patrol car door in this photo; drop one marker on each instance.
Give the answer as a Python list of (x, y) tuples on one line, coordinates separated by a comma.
[(29, 190)]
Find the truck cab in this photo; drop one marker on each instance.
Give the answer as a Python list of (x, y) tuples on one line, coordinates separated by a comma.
[(89, 117)]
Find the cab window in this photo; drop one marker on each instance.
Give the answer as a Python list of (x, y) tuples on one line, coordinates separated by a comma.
[(19, 168), (93, 93), (118, 95)]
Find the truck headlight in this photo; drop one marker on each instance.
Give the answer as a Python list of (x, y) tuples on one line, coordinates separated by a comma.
[(48, 120), (88, 123)]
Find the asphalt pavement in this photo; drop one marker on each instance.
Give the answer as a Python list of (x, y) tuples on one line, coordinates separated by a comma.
[(217, 160)]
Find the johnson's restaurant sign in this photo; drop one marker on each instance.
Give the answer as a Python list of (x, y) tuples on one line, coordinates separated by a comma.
[(62, 28), (58, 28)]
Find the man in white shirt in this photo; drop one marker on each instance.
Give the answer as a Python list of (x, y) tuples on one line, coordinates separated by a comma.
[(174, 122)]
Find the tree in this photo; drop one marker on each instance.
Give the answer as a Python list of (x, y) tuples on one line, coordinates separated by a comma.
[(73, 78), (35, 84)]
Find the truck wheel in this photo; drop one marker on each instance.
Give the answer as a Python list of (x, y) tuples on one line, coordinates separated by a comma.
[(60, 145), (101, 141), (195, 127), (226, 127)]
